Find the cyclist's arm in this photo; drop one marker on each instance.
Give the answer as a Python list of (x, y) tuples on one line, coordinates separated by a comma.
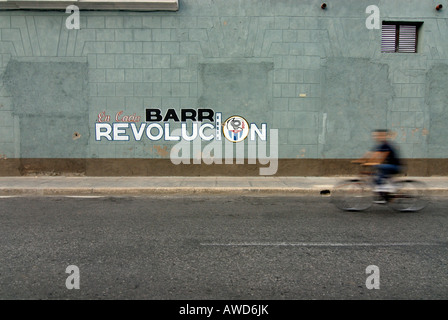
[(377, 157), (364, 158), (372, 158)]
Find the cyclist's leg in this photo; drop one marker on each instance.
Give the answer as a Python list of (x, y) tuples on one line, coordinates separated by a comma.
[(378, 178), (380, 174), (383, 173)]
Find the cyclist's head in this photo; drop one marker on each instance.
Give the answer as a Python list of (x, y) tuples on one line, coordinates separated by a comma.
[(380, 135)]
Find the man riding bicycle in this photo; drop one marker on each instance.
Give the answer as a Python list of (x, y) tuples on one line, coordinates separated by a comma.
[(384, 157)]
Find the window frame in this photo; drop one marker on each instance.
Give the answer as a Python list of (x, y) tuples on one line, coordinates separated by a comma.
[(397, 25)]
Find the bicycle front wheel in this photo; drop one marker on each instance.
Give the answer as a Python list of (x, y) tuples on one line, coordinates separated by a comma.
[(352, 195), (408, 196)]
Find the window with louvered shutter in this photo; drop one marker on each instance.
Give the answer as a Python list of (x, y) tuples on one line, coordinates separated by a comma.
[(389, 38), (407, 39), (399, 37)]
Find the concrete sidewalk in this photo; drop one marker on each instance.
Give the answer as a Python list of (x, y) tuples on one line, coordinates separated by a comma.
[(104, 186)]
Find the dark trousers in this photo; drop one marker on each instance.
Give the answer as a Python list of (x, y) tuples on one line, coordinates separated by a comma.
[(385, 171)]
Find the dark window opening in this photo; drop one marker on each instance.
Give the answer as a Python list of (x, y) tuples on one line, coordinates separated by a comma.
[(401, 37)]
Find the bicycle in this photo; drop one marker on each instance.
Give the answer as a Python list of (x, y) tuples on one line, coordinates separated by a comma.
[(358, 194)]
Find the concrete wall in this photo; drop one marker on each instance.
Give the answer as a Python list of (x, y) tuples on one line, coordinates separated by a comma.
[(316, 75)]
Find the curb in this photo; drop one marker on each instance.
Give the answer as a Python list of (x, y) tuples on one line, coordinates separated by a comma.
[(156, 191), (147, 191)]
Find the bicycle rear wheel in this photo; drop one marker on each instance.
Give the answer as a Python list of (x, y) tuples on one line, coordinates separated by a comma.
[(409, 196), (352, 195)]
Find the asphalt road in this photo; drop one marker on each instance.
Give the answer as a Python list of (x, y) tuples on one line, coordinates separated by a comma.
[(219, 247)]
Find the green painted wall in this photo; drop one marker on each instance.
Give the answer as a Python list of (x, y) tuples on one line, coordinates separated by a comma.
[(316, 75)]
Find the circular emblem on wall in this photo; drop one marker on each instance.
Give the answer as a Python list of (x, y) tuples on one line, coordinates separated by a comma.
[(236, 129)]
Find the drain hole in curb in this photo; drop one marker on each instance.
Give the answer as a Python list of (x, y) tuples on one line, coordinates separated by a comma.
[(325, 192)]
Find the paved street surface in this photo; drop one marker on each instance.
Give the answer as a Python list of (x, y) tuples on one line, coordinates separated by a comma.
[(219, 247)]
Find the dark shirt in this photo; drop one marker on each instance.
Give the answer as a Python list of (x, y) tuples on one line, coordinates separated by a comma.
[(392, 156)]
